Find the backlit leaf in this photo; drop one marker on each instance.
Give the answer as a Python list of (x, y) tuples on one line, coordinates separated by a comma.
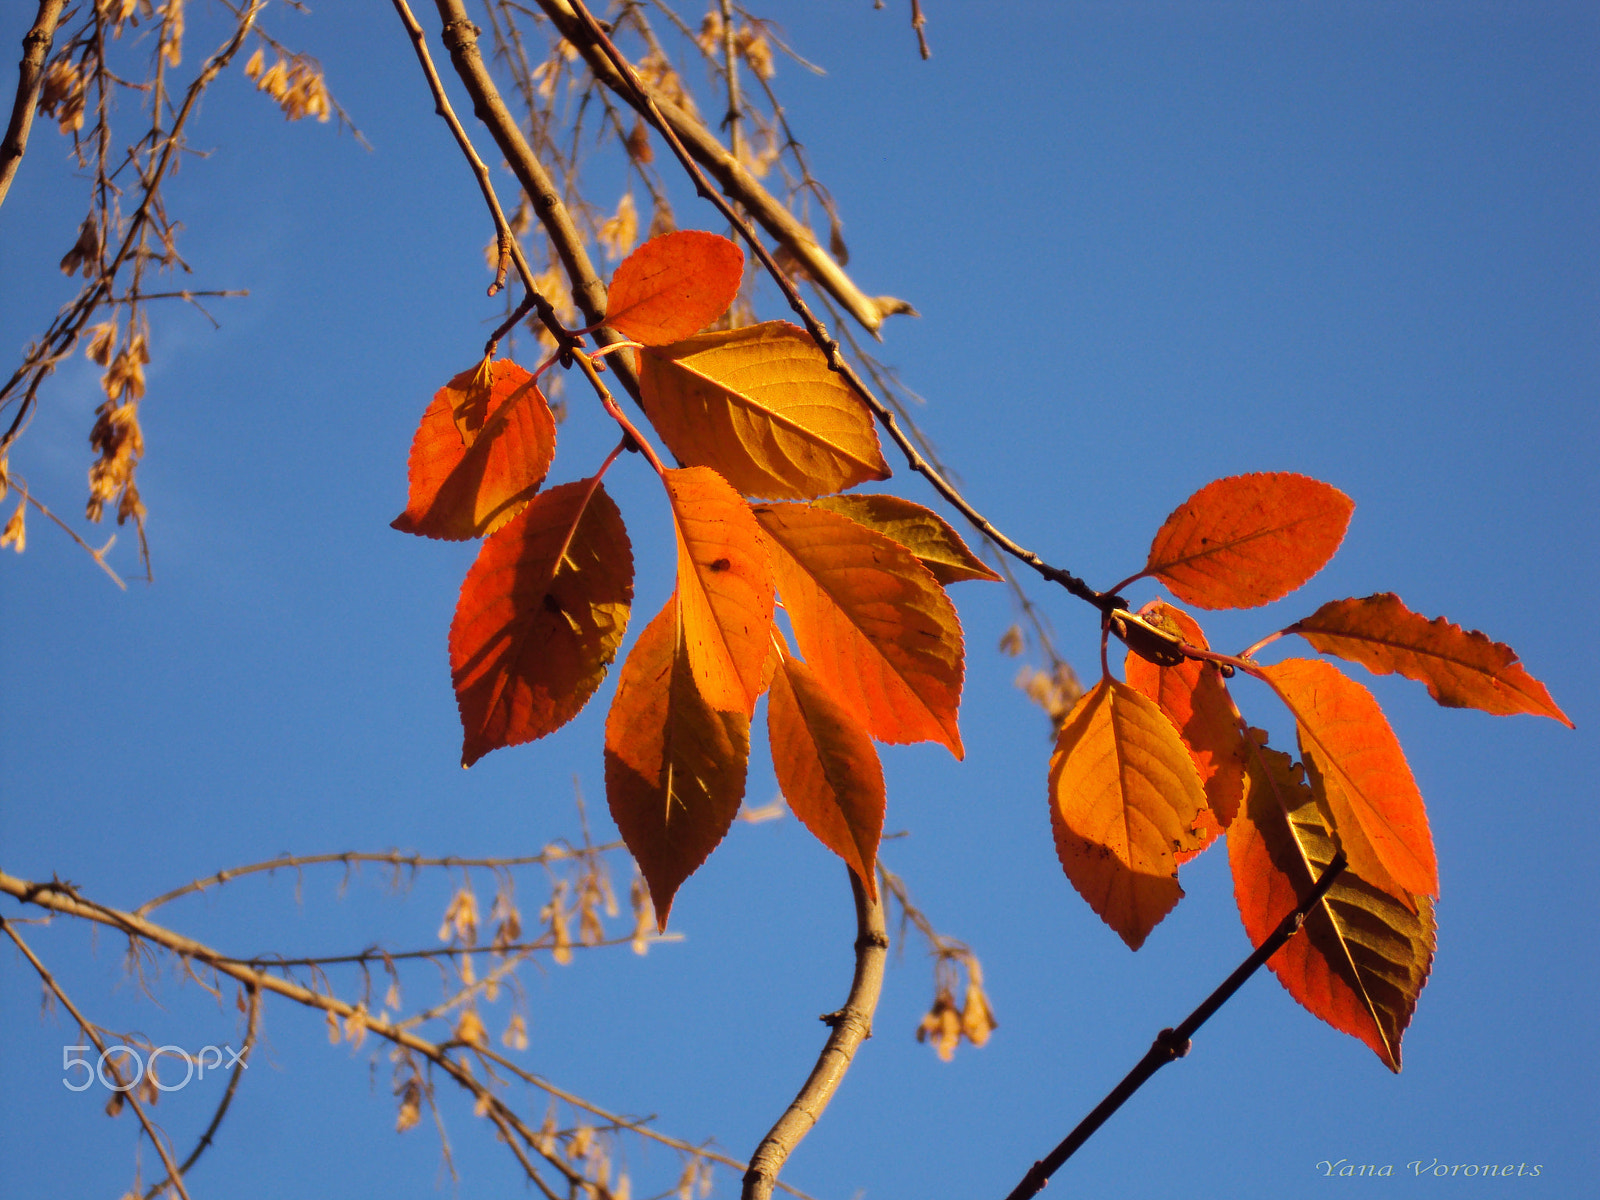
[(674, 285), (479, 454), (827, 767), (724, 588), (1249, 539), (872, 622), (675, 767), (1124, 798), (1462, 669), (761, 407), (541, 614), (1360, 770), (1362, 957), (1196, 701), (920, 530)]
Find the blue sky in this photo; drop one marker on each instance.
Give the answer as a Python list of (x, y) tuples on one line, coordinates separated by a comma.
[(1152, 244)]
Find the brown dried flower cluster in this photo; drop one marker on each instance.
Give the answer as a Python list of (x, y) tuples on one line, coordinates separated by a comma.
[(947, 1023), (294, 81), (116, 437)]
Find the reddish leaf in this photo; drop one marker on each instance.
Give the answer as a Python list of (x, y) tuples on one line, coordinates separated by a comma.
[(541, 614), (1359, 768), (1249, 539), (872, 622), (674, 285), (1461, 669), (920, 530), (827, 768), (1362, 957), (1196, 701), (1124, 797), (479, 454), (761, 407), (675, 767), (724, 588)]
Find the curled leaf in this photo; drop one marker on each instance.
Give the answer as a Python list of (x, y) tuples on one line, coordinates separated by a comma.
[(540, 616), (1462, 669), (673, 286), (1363, 956), (920, 530), (760, 406), (1249, 539), (1124, 799)]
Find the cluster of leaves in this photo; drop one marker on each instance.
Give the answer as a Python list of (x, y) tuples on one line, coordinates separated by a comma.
[(1149, 772), (1146, 773), (768, 435)]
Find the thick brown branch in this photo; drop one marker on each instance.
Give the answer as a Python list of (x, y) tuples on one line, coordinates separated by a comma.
[(729, 172), (849, 1027), (460, 37), (36, 44)]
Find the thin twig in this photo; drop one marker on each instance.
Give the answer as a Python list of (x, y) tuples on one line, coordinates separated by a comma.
[(93, 1034), (36, 44), (252, 1029), (1175, 1043), (849, 1027), (99, 555)]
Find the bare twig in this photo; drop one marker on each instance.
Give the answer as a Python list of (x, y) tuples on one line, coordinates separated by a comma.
[(99, 555), (92, 1032), (849, 1027), (36, 45), (1174, 1043)]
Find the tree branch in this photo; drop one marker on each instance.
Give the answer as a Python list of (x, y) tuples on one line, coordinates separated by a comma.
[(850, 1026), (36, 44), (1174, 1043)]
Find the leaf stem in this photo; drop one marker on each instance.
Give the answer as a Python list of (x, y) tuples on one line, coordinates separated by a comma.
[(1171, 1044)]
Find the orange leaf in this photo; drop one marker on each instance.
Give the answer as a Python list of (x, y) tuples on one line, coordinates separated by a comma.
[(1124, 796), (674, 285), (760, 405), (479, 454), (872, 622), (541, 614), (920, 530), (1196, 701), (827, 768), (674, 766), (1461, 669), (1362, 957), (1249, 539), (1359, 768), (724, 588)]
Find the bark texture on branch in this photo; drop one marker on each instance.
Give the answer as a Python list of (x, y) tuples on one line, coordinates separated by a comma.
[(36, 44)]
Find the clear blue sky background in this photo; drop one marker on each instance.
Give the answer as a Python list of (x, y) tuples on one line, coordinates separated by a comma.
[(1152, 244)]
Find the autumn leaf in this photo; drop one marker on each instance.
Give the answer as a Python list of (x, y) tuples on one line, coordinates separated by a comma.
[(1249, 539), (724, 588), (920, 530), (827, 767), (480, 453), (761, 407), (1362, 957), (1358, 767), (872, 622), (675, 767), (1196, 701), (674, 285), (541, 614), (1124, 798), (1462, 669)]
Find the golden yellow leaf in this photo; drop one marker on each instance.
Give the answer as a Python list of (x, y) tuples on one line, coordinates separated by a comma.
[(760, 406), (920, 530), (1124, 797)]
